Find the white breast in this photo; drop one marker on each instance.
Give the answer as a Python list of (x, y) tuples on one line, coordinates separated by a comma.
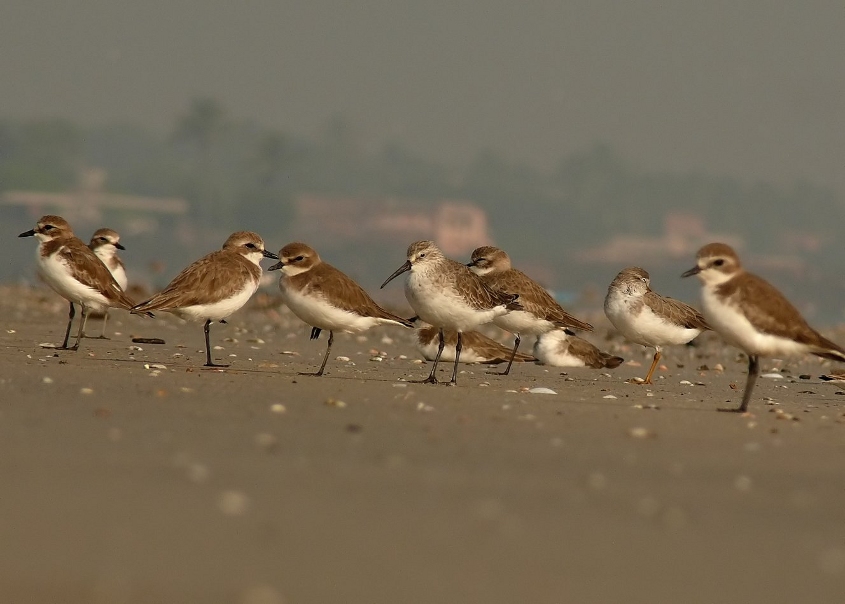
[(115, 268), (552, 348), (444, 307), (217, 311), (317, 312), (523, 322), (642, 326), (728, 321), (56, 273), (468, 354)]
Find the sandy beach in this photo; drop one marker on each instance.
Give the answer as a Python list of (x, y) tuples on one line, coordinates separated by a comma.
[(130, 474)]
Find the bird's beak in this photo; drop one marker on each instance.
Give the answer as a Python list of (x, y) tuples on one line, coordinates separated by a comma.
[(119, 246), (277, 267), (267, 254), (29, 233), (405, 267), (693, 271), (471, 263)]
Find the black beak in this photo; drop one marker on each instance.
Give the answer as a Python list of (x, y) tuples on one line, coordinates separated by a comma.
[(471, 264), (277, 266), (28, 233), (267, 254), (405, 267), (693, 271), (119, 246)]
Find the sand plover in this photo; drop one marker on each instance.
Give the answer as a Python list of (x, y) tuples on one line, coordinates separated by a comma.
[(215, 286), (541, 312), (561, 349), (477, 348), (447, 295), (74, 272), (645, 317), (326, 298), (751, 314), (105, 243)]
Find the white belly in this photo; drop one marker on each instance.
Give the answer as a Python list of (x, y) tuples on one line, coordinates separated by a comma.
[(523, 323), (645, 328), (217, 311), (119, 275), (54, 271), (468, 354), (317, 312), (443, 307), (731, 324)]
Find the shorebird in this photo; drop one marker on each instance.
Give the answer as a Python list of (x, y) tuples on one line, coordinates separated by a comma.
[(105, 243), (561, 349), (74, 272), (447, 295), (645, 317), (541, 313), (477, 348), (326, 298), (751, 314), (215, 286)]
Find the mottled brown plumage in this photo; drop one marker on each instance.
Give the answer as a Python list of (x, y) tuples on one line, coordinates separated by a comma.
[(477, 348)]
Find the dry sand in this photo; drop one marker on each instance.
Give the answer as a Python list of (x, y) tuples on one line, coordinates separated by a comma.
[(123, 483)]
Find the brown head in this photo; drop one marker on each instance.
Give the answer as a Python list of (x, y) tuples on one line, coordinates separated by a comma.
[(633, 281), (489, 260), (104, 237), (420, 254), (715, 264), (248, 244), (50, 227), (296, 258)]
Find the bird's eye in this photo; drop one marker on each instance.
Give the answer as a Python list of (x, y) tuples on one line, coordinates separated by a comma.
[(421, 255), (643, 279), (48, 227), (298, 259), (718, 262), (250, 246)]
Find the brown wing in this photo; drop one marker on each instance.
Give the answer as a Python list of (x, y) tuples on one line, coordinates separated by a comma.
[(491, 350), (770, 312), (343, 292), (675, 310), (477, 293), (535, 299), (210, 279), (88, 269), (584, 350)]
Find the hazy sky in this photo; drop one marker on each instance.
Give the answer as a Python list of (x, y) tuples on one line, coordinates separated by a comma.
[(754, 89)]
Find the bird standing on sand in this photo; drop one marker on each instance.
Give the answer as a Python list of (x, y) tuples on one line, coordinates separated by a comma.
[(326, 298), (645, 317), (105, 243), (215, 286), (447, 295), (751, 314), (74, 272), (541, 313)]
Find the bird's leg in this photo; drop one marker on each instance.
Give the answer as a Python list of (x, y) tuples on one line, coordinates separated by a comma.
[(102, 336), (326, 357), (81, 329), (650, 373), (208, 361), (67, 331), (431, 379), (458, 346), (753, 372), (513, 356)]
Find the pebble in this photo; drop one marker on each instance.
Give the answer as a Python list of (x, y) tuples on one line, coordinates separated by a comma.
[(640, 432), (333, 402), (685, 383), (609, 396), (47, 380), (86, 391), (342, 359), (773, 376), (278, 408), (541, 391)]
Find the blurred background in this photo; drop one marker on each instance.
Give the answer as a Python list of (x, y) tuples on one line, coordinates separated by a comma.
[(582, 137)]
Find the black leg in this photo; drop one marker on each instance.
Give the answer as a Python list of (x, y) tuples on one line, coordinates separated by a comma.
[(315, 333), (431, 379), (69, 321), (81, 330), (513, 356), (753, 372), (458, 347), (208, 362), (326, 357)]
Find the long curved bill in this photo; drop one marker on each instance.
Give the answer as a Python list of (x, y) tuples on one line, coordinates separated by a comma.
[(405, 267), (693, 271)]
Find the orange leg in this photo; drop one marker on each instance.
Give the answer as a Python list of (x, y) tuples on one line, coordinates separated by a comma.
[(653, 365)]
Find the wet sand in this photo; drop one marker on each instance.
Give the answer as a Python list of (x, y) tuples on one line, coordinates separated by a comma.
[(123, 482)]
